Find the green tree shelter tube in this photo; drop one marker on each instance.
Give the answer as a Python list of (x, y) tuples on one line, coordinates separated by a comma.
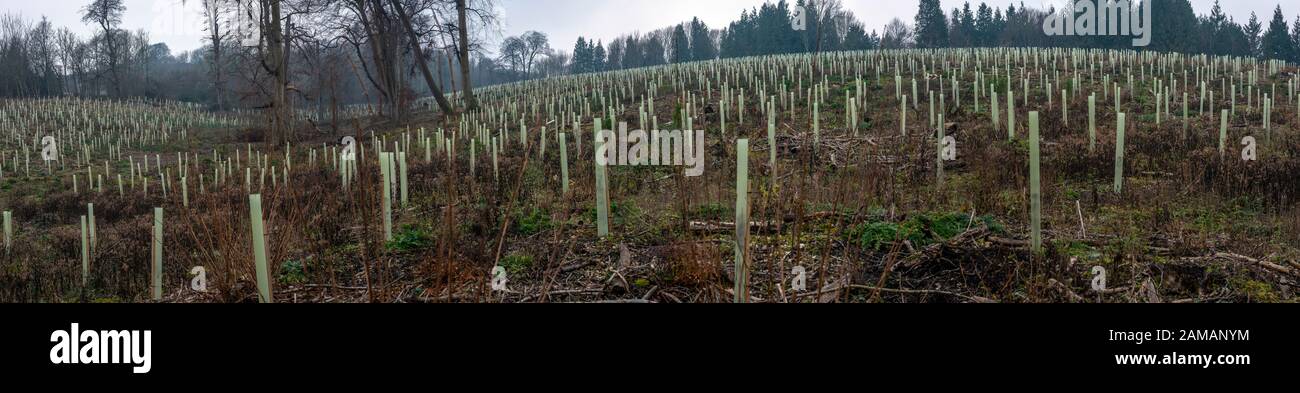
[(1119, 153), (259, 248), (157, 276), (1035, 185), (742, 220), (602, 191)]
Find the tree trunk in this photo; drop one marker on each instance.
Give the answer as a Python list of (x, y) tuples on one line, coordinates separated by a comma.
[(110, 39), (451, 78), (381, 51), (217, 80), (287, 113), (421, 60), (275, 63), (467, 88), (218, 83)]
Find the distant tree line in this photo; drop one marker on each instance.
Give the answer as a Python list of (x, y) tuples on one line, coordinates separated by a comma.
[(1176, 28), (760, 31), (37, 59), (767, 30), (293, 59)]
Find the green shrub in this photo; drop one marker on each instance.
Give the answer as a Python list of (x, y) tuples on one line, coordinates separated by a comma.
[(876, 235), (949, 225), (921, 229), (291, 272), (711, 211), (533, 222), (619, 212), (408, 239), (516, 263)]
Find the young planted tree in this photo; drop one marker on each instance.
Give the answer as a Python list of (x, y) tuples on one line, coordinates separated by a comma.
[(742, 222), (1035, 186), (1119, 152), (156, 276), (257, 228)]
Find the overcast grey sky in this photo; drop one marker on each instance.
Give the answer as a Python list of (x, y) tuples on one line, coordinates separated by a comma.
[(563, 20)]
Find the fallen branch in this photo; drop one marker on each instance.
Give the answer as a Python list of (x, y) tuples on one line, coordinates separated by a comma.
[(726, 226), (1265, 264), (936, 250), (1009, 242), (575, 266), (564, 292), (1051, 282), (624, 301), (975, 299), (650, 293)]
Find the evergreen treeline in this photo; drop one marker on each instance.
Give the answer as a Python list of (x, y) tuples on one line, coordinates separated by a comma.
[(1176, 28), (760, 31), (767, 30)]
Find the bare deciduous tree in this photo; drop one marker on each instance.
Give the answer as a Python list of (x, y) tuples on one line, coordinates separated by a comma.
[(107, 14), (536, 44), (898, 35), (421, 60), (213, 10)]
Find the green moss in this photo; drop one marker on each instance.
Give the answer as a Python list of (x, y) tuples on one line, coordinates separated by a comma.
[(1255, 290)]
